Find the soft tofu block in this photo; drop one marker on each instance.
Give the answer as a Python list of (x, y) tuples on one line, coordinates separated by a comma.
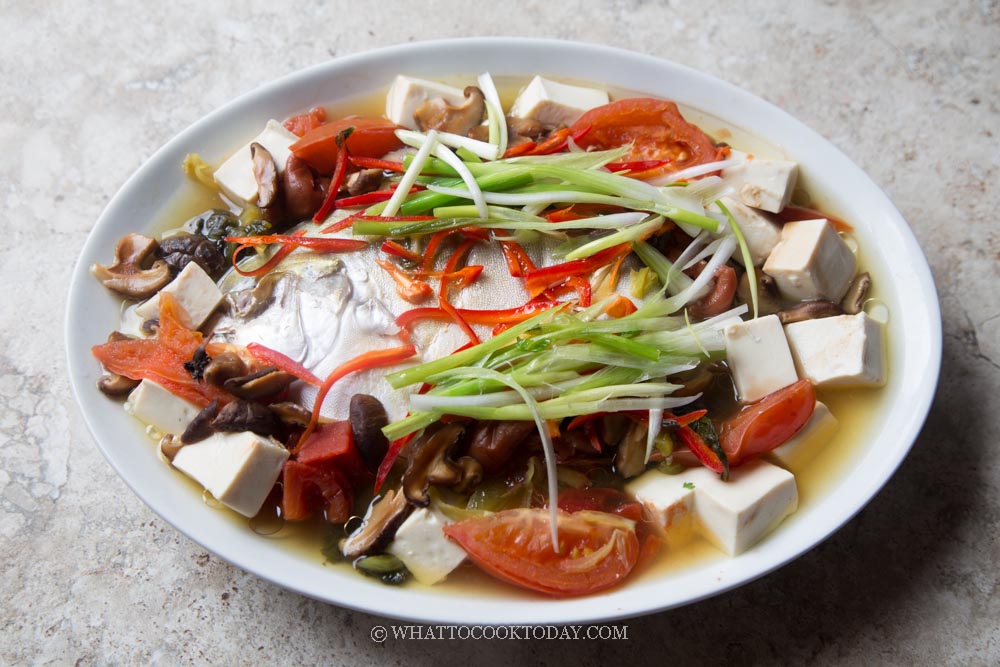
[(841, 351), (423, 547), (808, 442), (239, 469), (235, 176), (407, 94), (196, 293), (736, 514), (151, 404), (669, 498), (553, 104), (811, 261), (763, 183), (759, 358), (761, 232)]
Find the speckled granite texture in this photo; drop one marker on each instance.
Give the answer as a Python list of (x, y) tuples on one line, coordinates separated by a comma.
[(91, 577)]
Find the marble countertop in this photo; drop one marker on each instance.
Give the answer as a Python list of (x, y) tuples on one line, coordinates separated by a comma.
[(909, 90)]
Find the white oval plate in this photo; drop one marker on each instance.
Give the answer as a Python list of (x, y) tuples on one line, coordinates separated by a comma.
[(888, 241)]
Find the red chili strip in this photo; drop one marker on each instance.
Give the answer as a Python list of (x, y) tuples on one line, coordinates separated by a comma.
[(558, 141), (362, 362), (396, 249), (638, 165), (264, 268), (458, 319), (521, 149), (518, 261), (702, 451), (338, 178), (375, 163), (408, 287), (283, 363), (539, 280), (502, 316), (370, 198), (390, 459)]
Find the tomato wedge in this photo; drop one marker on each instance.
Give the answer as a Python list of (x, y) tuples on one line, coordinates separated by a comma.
[(768, 423), (598, 550), (656, 130), (372, 137)]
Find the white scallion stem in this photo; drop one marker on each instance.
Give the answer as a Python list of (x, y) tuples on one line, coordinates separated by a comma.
[(494, 110), (410, 177)]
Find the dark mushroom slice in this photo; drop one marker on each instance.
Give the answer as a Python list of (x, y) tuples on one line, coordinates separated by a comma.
[(169, 446), (519, 131), (222, 368), (719, 298), (368, 418), (630, 459), (379, 527), (201, 426), (180, 250), (129, 276), (265, 172), (241, 415), (150, 327), (291, 414), (809, 310), (437, 114), (854, 300), (365, 180), (303, 189), (768, 301), (471, 475), (265, 382), (492, 443), (428, 462), (249, 303), (112, 384)]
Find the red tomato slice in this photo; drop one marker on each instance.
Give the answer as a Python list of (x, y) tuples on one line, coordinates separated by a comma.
[(161, 359), (768, 423), (310, 488), (333, 443), (372, 137), (299, 125), (598, 550), (654, 127)]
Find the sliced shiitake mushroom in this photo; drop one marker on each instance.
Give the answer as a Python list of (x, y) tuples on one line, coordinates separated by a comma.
[(519, 130), (854, 300), (437, 114), (181, 249), (129, 275), (224, 367), (379, 527), (362, 181), (630, 459), (265, 172), (291, 413), (809, 310), (265, 382), (368, 418), (201, 426), (113, 384), (303, 189), (241, 415), (428, 462), (492, 443)]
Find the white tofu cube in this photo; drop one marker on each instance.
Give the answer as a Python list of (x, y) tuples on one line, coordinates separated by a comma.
[(763, 183), (669, 498), (811, 261), (736, 514), (759, 230), (238, 469), (407, 94), (235, 176), (758, 355), (151, 404), (841, 351), (196, 293), (553, 104), (423, 547), (810, 439)]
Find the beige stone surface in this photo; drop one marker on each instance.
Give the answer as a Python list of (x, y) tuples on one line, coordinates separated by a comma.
[(90, 576)]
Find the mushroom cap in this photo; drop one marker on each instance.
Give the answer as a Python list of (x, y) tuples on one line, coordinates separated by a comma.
[(128, 276), (437, 114)]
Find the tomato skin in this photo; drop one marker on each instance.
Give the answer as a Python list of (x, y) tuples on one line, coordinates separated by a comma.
[(310, 488), (598, 550), (333, 443), (600, 499), (768, 423), (304, 122), (656, 127), (372, 137)]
